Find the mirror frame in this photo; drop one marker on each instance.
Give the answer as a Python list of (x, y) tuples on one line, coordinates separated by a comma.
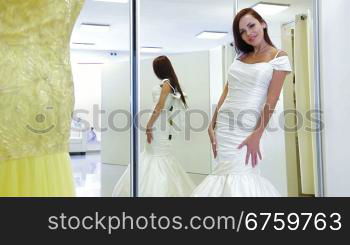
[(135, 85)]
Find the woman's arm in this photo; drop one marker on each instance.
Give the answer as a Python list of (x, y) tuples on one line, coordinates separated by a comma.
[(211, 127), (157, 110), (273, 94), (221, 101)]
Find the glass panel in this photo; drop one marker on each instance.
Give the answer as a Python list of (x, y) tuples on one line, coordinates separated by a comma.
[(176, 154), (100, 59)]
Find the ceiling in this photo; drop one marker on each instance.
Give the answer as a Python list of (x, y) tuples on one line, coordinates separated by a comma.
[(170, 24), (296, 7)]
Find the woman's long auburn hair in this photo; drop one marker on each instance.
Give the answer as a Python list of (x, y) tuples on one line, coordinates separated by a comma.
[(164, 70), (240, 45)]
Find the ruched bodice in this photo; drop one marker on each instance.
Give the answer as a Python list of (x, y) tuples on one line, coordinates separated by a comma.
[(247, 89)]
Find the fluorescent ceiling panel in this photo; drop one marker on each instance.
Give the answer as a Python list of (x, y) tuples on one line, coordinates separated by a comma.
[(83, 43), (151, 49), (113, 1), (211, 35), (267, 9), (90, 27)]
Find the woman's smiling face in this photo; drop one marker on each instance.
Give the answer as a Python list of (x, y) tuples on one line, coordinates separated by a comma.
[(251, 30)]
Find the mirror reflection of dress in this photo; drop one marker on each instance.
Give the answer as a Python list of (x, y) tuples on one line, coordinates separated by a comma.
[(160, 174), (247, 92)]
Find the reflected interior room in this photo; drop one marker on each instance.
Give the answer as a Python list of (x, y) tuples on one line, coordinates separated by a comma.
[(200, 49), (99, 43)]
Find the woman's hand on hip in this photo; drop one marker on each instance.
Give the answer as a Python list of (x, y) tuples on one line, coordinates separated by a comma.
[(253, 148)]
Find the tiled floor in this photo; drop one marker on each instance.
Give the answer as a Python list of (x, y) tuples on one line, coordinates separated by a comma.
[(95, 179)]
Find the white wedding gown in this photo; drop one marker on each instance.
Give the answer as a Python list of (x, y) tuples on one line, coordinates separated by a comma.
[(160, 174), (247, 91)]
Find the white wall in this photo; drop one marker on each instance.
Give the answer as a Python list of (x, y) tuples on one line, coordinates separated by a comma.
[(87, 92), (335, 79), (87, 68), (115, 144), (217, 75), (217, 80), (275, 33)]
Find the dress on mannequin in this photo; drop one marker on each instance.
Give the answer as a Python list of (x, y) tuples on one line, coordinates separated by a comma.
[(247, 92), (37, 99), (160, 175)]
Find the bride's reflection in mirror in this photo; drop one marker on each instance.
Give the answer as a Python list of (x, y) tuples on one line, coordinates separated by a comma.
[(194, 35), (160, 174)]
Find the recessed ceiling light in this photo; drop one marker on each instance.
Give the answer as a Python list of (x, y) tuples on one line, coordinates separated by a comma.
[(265, 8), (90, 27), (211, 35), (90, 63), (151, 49), (113, 1), (86, 59), (81, 43)]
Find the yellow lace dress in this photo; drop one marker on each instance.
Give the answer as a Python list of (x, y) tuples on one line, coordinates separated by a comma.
[(36, 97)]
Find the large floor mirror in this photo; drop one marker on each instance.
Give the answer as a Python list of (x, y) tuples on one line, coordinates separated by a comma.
[(195, 39), (186, 49)]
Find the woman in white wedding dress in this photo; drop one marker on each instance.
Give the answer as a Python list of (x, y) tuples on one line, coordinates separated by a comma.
[(255, 80), (160, 174)]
